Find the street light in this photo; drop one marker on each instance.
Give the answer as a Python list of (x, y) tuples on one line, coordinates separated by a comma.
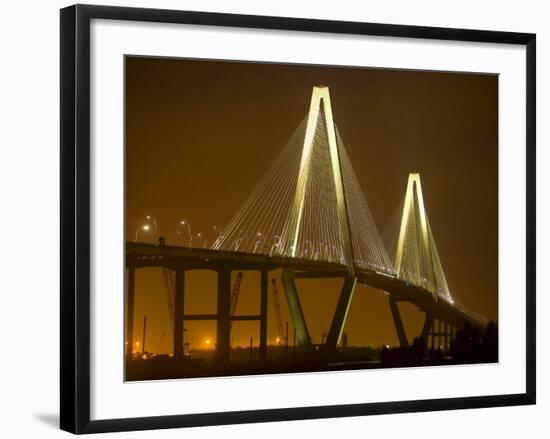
[(146, 227), (152, 218), (259, 242), (136, 235), (276, 244), (184, 223), (199, 235)]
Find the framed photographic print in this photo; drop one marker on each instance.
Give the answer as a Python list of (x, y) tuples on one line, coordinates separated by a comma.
[(305, 218)]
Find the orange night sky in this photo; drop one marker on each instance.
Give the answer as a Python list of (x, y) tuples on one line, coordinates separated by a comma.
[(200, 135)]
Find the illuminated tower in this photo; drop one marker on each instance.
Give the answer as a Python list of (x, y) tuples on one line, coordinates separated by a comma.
[(320, 111)]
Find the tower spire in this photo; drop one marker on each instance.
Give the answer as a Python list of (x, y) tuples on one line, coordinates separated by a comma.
[(320, 108)]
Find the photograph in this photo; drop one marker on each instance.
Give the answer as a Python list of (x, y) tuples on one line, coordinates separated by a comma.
[(271, 220), (295, 218)]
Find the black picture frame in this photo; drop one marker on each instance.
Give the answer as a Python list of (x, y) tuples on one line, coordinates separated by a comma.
[(75, 217)]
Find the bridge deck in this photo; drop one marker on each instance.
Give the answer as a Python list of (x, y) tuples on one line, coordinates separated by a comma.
[(141, 255)]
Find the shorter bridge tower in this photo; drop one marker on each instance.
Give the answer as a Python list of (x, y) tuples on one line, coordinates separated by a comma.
[(416, 258)]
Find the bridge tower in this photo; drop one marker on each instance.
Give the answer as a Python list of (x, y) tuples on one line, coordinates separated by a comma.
[(320, 110), (414, 206), (416, 257)]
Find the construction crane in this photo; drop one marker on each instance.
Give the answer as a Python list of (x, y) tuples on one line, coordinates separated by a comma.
[(235, 293), (277, 303), (169, 277)]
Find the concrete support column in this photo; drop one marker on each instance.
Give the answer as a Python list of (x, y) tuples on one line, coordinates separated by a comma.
[(263, 315), (223, 328), (130, 313), (340, 314), (399, 328), (178, 313), (425, 335), (295, 308)]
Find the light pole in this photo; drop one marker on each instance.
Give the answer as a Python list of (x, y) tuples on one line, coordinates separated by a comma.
[(199, 236), (184, 223), (153, 219), (146, 226), (259, 241), (276, 244)]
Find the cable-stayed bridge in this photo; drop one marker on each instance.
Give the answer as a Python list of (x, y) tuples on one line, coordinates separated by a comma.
[(309, 217)]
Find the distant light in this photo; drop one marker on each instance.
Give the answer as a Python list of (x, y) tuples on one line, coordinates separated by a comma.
[(278, 339), (137, 343), (146, 227), (148, 217), (207, 341)]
